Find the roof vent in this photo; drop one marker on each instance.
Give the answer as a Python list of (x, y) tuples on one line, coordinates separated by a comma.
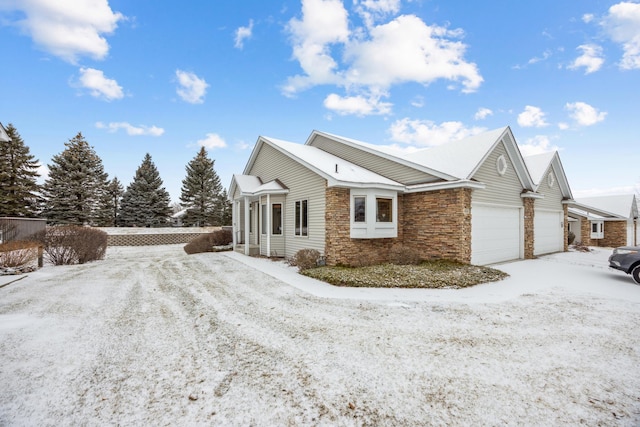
[(336, 168)]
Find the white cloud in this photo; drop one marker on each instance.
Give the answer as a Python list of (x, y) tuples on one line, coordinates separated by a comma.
[(418, 102), (243, 33), (192, 88), (427, 133), (584, 114), (211, 141), (532, 117), (482, 113), (130, 129), (587, 17), (67, 29), (563, 126), (591, 58), (100, 86), (370, 60), (545, 55), (537, 145), (373, 10), (356, 105), (622, 25)]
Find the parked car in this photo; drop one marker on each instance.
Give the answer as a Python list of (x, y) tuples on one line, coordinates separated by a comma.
[(627, 259)]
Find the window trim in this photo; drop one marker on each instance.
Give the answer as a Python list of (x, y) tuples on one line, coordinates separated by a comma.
[(599, 233), (301, 216), (273, 217), (371, 228)]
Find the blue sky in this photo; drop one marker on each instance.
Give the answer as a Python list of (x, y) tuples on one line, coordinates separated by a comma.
[(167, 77)]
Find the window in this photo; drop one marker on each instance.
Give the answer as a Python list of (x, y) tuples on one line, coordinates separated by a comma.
[(265, 227), (359, 208), (251, 218), (301, 218), (373, 213), (597, 229), (384, 209), (501, 165), (276, 218)]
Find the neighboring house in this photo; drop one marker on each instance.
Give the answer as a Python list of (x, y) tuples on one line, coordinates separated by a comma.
[(608, 221), (176, 218), (472, 200)]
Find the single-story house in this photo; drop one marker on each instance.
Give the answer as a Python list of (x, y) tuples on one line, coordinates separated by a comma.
[(608, 221), (472, 200)]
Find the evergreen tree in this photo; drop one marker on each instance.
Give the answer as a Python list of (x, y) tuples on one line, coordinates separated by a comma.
[(201, 192), (145, 203), (110, 203), (226, 209), (76, 184), (18, 173)]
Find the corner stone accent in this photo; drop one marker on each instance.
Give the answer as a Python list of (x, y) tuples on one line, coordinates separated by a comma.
[(150, 239), (529, 236), (565, 208), (437, 224)]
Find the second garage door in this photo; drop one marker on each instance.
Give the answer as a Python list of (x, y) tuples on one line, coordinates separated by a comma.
[(548, 232), (496, 234)]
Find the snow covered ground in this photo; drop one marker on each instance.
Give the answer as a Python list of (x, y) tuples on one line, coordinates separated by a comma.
[(152, 336)]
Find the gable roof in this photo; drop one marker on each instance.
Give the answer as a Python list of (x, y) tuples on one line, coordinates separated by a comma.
[(388, 153), (621, 205), (538, 166), (338, 172), (4, 137)]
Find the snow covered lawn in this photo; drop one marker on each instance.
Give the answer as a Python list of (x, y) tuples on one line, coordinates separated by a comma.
[(152, 336)]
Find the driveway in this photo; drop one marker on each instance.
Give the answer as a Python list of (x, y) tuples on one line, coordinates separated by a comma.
[(152, 336)]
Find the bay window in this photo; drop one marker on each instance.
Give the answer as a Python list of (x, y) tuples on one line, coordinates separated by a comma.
[(374, 213)]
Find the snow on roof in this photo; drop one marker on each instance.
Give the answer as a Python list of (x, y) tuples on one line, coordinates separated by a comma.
[(4, 137), (247, 183), (330, 166), (538, 164), (622, 205), (458, 158)]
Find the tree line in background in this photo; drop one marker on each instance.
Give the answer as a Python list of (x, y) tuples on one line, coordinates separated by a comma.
[(78, 191)]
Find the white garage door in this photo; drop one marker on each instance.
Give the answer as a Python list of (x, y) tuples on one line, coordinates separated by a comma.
[(548, 232), (495, 234)]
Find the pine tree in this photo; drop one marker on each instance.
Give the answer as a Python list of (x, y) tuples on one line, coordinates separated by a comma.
[(226, 209), (145, 203), (75, 185), (201, 192), (18, 173), (110, 204)]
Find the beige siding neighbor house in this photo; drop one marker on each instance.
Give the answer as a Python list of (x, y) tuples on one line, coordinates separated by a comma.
[(472, 200), (608, 221)]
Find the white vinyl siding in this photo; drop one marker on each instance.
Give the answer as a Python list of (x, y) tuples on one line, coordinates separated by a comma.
[(500, 189), (378, 164), (552, 195), (302, 183)]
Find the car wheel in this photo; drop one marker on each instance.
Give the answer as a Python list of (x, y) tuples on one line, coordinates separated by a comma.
[(635, 273)]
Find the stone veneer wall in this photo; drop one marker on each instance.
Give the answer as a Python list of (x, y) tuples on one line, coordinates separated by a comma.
[(529, 236), (615, 234), (438, 224), (150, 239), (340, 248), (565, 208)]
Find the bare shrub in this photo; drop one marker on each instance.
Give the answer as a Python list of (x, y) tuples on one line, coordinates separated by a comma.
[(305, 259), (402, 255), (17, 253), (207, 242), (364, 259), (71, 244), (571, 236)]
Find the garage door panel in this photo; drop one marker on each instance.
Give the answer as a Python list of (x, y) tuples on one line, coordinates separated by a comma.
[(495, 234), (548, 232)]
